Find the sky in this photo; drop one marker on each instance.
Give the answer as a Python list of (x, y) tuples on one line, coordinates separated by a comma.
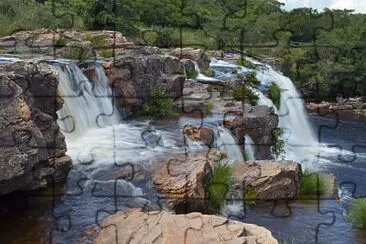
[(358, 5)]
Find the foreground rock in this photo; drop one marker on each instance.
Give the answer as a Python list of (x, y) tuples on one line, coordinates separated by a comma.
[(182, 180), (258, 122), (164, 227), (135, 76), (32, 148), (196, 133), (270, 180)]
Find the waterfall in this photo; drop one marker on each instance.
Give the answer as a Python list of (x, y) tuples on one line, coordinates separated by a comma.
[(87, 104), (202, 77), (226, 143), (300, 142), (249, 147)]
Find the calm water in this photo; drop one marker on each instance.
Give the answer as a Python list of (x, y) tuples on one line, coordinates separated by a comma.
[(61, 214)]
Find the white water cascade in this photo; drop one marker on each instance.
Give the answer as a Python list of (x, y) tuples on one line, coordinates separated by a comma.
[(86, 105), (300, 142), (249, 147), (226, 143)]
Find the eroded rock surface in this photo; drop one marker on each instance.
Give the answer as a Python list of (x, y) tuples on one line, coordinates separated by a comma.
[(164, 227), (270, 180), (135, 76), (182, 180), (32, 148)]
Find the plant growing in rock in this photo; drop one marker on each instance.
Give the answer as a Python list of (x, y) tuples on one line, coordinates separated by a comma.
[(243, 62), (244, 94), (208, 72), (274, 93), (278, 145), (210, 106), (357, 213), (159, 105), (219, 184), (191, 74), (312, 183), (250, 195), (246, 155)]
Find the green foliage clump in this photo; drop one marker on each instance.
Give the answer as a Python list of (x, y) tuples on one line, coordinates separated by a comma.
[(312, 183), (274, 93), (278, 145), (159, 105), (246, 155), (253, 81), (61, 42), (107, 53), (357, 214), (99, 41), (210, 106), (219, 184), (250, 196), (166, 39), (244, 94), (208, 72), (191, 74), (245, 63)]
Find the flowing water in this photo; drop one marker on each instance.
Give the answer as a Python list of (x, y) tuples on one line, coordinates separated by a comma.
[(249, 147), (103, 147)]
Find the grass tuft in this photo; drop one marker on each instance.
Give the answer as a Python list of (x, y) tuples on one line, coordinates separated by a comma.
[(274, 93), (219, 184), (312, 183), (357, 214)]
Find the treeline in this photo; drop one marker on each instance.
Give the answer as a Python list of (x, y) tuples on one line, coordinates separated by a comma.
[(323, 52)]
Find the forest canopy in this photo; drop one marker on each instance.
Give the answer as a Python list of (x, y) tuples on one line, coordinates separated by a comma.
[(323, 52)]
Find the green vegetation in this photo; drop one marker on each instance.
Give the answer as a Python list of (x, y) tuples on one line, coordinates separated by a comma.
[(219, 184), (250, 196), (357, 214), (274, 93), (245, 63), (210, 106), (61, 42), (278, 145), (98, 41), (159, 105), (107, 53), (244, 94), (208, 72), (312, 183), (191, 74), (246, 155), (336, 66)]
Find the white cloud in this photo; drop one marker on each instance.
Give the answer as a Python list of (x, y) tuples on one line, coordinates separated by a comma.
[(358, 5)]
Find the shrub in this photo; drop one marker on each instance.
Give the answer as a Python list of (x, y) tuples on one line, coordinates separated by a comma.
[(312, 183), (357, 213), (274, 93), (208, 72), (159, 105), (97, 41), (249, 197), (245, 63), (210, 106), (253, 81), (244, 94), (107, 53), (278, 145), (219, 184), (191, 74), (166, 39)]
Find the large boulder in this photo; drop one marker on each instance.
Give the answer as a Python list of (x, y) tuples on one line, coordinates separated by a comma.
[(163, 227), (270, 180), (183, 179), (135, 76), (258, 122), (32, 147)]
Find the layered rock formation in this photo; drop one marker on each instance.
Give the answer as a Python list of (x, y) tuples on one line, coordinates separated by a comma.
[(182, 180), (258, 122), (32, 147), (270, 180), (163, 227), (197, 55), (135, 76)]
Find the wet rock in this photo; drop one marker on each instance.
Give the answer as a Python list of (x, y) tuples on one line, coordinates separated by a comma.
[(270, 180), (32, 147), (258, 122), (196, 133), (136, 226), (133, 77), (182, 180)]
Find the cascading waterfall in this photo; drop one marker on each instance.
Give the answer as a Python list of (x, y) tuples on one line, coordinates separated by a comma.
[(300, 142), (226, 143), (249, 147), (86, 106)]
